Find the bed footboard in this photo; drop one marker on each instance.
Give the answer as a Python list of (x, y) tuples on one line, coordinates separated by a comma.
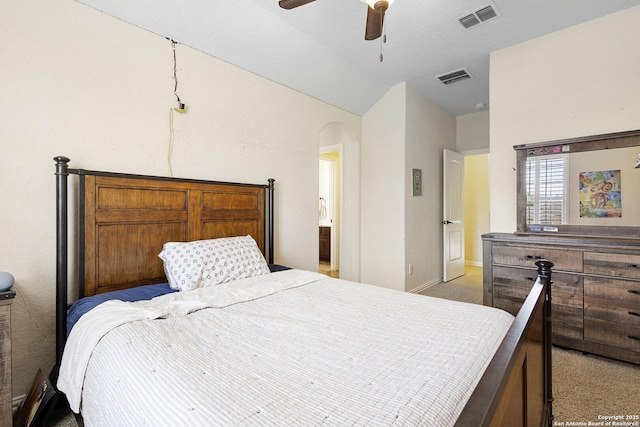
[(515, 390)]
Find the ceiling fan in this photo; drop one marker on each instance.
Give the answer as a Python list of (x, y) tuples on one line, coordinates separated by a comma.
[(375, 14)]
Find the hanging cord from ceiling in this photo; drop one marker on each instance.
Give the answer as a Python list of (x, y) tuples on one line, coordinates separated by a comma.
[(180, 108), (175, 75), (171, 138)]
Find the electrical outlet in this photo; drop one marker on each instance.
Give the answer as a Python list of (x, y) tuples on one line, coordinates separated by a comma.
[(410, 269)]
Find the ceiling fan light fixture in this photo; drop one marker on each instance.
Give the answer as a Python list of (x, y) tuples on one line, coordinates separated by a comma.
[(375, 18), (378, 4)]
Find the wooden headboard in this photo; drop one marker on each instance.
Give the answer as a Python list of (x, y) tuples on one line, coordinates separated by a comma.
[(125, 219)]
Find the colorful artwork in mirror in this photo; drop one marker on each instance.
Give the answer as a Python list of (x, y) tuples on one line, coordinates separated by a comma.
[(600, 194)]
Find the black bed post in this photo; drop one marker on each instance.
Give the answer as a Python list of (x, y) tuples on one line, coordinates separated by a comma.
[(544, 272), (270, 193), (62, 172)]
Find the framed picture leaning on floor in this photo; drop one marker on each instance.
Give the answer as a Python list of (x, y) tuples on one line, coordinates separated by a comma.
[(37, 404)]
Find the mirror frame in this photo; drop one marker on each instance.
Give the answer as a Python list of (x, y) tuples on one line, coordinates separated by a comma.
[(571, 145)]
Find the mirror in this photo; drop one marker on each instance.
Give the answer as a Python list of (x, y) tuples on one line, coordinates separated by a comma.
[(580, 186)]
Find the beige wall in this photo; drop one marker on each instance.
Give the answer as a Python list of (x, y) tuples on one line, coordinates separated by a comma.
[(580, 81), (472, 133), (382, 186), (403, 130), (429, 130), (76, 82)]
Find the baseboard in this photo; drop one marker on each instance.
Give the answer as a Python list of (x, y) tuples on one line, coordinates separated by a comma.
[(425, 286), (473, 263)]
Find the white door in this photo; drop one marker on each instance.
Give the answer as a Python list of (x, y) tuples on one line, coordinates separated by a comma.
[(453, 220)]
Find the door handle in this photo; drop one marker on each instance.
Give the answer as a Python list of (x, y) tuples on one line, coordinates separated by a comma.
[(446, 221)]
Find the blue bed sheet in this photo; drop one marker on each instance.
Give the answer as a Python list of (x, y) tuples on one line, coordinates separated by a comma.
[(139, 293)]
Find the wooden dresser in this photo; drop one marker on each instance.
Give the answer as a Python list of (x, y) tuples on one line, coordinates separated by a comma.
[(6, 298), (595, 290)]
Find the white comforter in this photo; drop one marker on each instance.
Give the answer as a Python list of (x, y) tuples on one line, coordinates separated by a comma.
[(287, 348)]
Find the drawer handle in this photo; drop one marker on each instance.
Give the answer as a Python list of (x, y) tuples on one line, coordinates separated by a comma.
[(634, 313), (633, 291), (633, 265), (634, 338), (533, 257)]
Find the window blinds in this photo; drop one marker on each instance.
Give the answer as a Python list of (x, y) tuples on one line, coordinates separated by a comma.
[(546, 184)]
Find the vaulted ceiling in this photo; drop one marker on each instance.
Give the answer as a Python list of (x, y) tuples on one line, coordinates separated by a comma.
[(319, 48)]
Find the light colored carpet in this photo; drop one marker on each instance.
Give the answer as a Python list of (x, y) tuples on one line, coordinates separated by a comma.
[(467, 288), (585, 387), (63, 417)]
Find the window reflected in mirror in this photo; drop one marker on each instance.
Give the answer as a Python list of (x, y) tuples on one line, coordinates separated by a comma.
[(580, 186), (546, 185)]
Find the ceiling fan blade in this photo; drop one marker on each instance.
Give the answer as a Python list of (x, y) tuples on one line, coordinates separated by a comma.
[(290, 4), (375, 19)]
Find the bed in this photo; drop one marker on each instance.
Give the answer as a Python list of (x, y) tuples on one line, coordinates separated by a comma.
[(265, 344)]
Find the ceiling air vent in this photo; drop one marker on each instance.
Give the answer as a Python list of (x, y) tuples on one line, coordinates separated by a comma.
[(486, 13), (469, 21), (478, 16), (454, 76)]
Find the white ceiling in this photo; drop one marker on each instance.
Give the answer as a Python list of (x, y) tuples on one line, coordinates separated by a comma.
[(319, 48)]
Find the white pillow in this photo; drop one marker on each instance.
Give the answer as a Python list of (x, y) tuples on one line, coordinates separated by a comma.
[(204, 263)]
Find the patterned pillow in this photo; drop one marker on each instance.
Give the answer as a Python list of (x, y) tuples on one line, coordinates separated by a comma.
[(204, 263)]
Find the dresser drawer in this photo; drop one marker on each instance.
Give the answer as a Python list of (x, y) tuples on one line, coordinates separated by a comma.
[(567, 305), (612, 300), (616, 265), (612, 313), (563, 260), (618, 312), (511, 286), (619, 335), (614, 290)]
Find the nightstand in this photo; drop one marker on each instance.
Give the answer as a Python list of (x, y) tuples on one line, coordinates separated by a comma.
[(6, 418)]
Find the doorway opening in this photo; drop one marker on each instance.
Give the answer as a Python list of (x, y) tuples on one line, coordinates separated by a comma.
[(329, 213), (476, 202), (475, 199)]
